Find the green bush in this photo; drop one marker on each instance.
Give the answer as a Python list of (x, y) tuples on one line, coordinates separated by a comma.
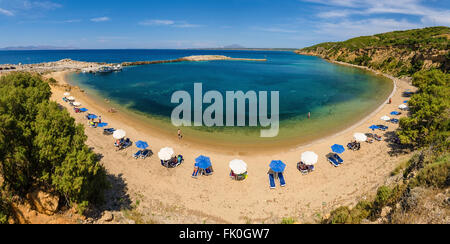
[(288, 221), (383, 196), (436, 174), (5, 210), (40, 144), (340, 215)]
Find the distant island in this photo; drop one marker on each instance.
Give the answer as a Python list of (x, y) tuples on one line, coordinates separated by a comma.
[(31, 48)]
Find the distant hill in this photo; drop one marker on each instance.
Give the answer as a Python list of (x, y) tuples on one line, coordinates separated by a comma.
[(234, 46), (36, 48), (398, 53)]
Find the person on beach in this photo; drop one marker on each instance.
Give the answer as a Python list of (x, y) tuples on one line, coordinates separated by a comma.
[(390, 100), (179, 134), (99, 119), (309, 115)]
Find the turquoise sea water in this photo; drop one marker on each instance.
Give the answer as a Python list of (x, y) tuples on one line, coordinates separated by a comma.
[(336, 95)]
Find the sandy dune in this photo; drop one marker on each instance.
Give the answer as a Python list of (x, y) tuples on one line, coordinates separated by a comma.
[(172, 196)]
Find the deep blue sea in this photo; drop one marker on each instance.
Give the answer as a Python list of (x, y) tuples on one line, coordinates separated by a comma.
[(335, 95)]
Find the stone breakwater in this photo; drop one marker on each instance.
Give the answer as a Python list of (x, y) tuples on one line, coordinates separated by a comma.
[(78, 66), (198, 58)]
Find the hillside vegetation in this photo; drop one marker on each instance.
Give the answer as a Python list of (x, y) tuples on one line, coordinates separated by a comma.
[(41, 146), (398, 53)]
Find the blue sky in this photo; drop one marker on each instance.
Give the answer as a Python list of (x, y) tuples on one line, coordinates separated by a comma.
[(208, 23)]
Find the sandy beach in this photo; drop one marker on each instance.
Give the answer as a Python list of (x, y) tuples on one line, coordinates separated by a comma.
[(173, 196)]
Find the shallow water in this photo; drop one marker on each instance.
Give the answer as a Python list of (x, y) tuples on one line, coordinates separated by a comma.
[(337, 96)]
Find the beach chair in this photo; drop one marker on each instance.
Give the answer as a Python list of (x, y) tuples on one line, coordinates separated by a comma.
[(271, 181), (121, 141), (333, 161), (108, 131), (196, 171), (137, 154), (145, 154), (180, 159), (394, 121), (92, 124), (377, 137), (282, 181), (339, 159), (304, 170), (127, 143), (208, 171)]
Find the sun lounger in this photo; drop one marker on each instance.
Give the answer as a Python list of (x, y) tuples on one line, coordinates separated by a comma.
[(304, 169), (137, 154), (108, 131), (145, 154), (377, 137), (339, 159), (126, 143), (195, 173), (333, 161), (271, 181), (394, 121), (281, 177), (92, 124), (383, 127), (180, 159), (208, 171)]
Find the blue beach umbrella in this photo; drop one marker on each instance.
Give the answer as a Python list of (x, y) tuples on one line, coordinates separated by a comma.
[(203, 162), (395, 113), (277, 166), (337, 148), (374, 127), (406, 101), (101, 125), (92, 116), (83, 109), (141, 144)]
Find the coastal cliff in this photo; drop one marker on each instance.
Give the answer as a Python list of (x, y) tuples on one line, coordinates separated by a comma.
[(397, 53)]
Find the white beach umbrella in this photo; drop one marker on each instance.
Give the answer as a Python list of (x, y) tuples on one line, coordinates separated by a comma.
[(238, 166), (76, 104), (66, 94), (309, 158), (385, 118), (119, 134), (403, 106), (71, 98), (166, 153), (360, 137)]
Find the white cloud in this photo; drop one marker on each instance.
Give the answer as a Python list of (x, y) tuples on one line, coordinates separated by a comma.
[(157, 22), (347, 8), (100, 19), (6, 12), (171, 23), (48, 5), (345, 29), (276, 30)]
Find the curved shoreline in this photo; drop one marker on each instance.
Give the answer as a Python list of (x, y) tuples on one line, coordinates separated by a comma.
[(360, 122), (275, 145), (226, 201)]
